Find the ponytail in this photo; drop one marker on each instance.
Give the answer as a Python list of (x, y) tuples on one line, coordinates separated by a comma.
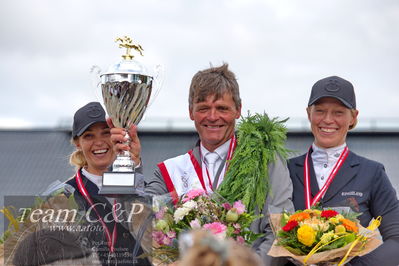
[(77, 158)]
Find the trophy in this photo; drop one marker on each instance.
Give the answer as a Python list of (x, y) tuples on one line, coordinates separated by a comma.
[(126, 89)]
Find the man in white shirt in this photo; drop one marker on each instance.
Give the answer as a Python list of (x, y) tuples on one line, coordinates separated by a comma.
[(214, 106)]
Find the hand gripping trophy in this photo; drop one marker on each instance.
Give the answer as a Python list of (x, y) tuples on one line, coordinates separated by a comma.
[(126, 90)]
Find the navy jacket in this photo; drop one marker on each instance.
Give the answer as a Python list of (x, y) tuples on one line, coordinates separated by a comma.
[(363, 185), (125, 242)]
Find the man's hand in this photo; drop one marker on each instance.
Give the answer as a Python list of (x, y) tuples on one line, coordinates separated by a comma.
[(118, 138)]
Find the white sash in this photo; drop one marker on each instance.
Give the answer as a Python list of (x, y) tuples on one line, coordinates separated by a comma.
[(183, 174)]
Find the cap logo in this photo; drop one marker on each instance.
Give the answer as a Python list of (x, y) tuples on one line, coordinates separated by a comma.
[(94, 112), (332, 85)]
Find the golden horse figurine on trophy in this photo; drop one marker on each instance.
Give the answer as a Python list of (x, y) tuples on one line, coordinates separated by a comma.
[(127, 42)]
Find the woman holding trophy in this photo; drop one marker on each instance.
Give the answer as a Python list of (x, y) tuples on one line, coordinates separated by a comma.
[(86, 222), (331, 175), (94, 191), (92, 158)]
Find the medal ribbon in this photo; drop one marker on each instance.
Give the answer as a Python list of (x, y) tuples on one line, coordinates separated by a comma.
[(111, 239), (198, 167), (309, 202), (232, 148)]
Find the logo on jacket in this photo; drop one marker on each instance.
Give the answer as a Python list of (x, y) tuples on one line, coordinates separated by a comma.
[(352, 193)]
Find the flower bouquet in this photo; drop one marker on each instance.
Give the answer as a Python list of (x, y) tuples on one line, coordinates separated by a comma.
[(315, 236), (199, 210)]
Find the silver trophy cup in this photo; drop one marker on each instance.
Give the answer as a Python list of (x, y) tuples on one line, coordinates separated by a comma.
[(126, 90)]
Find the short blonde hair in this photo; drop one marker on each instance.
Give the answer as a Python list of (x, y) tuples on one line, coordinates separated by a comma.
[(353, 111)]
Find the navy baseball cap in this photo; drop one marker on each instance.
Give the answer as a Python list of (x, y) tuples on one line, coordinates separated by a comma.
[(334, 87), (86, 116)]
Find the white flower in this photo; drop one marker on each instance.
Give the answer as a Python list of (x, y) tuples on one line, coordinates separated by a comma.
[(180, 213), (190, 204)]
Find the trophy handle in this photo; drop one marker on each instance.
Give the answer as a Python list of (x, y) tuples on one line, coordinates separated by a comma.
[(95, 72), (159, 75)]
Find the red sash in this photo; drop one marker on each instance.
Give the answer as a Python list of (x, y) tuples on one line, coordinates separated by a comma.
[(309, 202), (168, 182), (198, 169), (111, 239)]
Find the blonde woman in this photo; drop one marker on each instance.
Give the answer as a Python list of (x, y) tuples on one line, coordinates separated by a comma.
[(98, 227), (93, 156), (331, 175)]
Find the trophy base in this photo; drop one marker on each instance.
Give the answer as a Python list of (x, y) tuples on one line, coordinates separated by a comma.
[(118, 183)]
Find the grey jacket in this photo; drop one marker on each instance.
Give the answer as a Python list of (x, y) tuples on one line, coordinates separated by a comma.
[(278, 199), (363, 185)]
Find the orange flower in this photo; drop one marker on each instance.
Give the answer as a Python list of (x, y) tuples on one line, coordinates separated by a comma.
[(299, 216), (349, 225)]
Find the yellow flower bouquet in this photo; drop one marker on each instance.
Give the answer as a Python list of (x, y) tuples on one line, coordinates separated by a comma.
[(316, 236)]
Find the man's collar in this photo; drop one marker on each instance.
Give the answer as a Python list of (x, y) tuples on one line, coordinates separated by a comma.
[(221, 150)]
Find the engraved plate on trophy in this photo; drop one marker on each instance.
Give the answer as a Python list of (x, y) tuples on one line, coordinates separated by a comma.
[(126, 90)]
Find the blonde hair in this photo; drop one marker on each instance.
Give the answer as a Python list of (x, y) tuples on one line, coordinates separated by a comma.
[(77, 157), (206, 250), (353, 111)]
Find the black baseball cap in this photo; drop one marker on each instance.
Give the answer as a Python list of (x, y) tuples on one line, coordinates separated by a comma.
[(86, 116), (335, 87)]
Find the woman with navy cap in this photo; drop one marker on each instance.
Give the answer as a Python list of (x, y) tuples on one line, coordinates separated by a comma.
[(92, 157), (331, 175)]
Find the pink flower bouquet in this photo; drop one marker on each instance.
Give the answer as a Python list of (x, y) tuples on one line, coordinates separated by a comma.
[(199, 210)]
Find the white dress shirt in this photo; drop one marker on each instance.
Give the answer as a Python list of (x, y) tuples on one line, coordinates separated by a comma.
[(324, 161), (98, 181), (221, 151)]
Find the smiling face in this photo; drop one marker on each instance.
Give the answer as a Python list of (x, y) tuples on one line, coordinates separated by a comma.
[(214, 119), (330, 121), (96, 146)]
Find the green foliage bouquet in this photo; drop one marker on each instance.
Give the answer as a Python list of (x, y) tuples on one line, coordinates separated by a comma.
[(260, 141)]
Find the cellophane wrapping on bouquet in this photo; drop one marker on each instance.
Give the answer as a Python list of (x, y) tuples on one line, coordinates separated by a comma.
[(322, 237)]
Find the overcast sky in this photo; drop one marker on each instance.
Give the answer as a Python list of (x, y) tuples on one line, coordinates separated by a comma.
[(277, 49)]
